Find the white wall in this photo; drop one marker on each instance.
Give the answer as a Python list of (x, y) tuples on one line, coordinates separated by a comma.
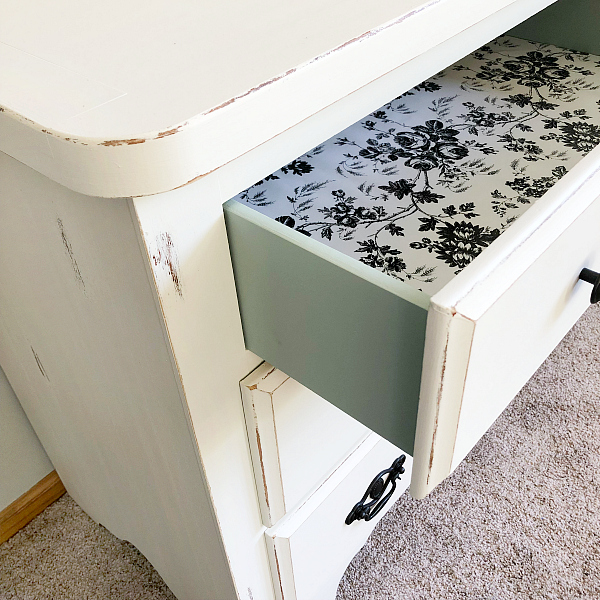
[(23, 461)]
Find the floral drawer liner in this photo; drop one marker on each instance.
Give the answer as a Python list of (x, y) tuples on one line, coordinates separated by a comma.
[(419, 187)]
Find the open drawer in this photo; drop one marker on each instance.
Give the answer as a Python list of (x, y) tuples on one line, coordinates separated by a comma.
[(372, 268)]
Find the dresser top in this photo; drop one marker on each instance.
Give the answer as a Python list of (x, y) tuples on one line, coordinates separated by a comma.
[(122, 69), (151, 82)]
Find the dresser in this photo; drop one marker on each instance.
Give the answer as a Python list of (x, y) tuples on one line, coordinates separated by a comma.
[(124, 129)]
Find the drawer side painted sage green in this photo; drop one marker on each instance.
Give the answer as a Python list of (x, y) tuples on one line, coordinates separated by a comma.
[(571, 24), (356, 344)]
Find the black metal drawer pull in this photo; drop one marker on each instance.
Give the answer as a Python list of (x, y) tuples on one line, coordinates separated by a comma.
[(367, 510), (593, 278)]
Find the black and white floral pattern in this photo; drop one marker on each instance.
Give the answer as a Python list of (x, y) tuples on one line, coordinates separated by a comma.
[(421, 186)]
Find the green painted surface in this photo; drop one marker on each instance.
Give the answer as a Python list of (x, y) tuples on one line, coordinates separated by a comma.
[(572, 24), (349, 333)]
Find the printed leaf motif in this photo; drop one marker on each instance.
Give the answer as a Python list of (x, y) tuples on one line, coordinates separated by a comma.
[(286, 220), (421, 186), (399, 188)]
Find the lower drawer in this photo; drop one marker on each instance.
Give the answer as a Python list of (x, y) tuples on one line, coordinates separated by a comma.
[(297, 439), (428, 365), (311, 548)]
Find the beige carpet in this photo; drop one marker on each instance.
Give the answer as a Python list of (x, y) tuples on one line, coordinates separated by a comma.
[(519, 519), (63, 555)]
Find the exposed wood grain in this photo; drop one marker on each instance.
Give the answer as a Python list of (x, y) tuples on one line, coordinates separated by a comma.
[(166, 257), (25, 508)]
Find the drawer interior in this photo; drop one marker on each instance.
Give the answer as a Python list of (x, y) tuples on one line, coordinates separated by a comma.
[(337, 254), (420, 187)]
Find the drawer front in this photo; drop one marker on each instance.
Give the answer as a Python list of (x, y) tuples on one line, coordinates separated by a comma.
[(524, 325), (311, 549), (490, 331), (297, 439), (383, 351)]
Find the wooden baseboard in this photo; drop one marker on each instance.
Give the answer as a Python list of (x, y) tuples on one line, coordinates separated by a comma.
[(30, 505)]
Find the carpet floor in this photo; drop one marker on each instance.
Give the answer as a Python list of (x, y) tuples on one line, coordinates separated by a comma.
[(519, 518)]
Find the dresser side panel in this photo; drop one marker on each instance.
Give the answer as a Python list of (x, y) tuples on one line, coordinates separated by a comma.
[(83, 346)]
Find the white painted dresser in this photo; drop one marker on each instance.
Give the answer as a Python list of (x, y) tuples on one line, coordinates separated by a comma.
[(124, 128)]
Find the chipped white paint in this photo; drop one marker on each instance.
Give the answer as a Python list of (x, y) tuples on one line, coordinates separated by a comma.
[(205, 335), (184, 102), (209, 97), (501, 317), (94, 373), (297, 439)]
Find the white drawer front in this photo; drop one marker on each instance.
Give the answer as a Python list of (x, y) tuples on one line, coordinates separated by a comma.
[(541, 305), (503, 322), (297, 439), (311, 549)]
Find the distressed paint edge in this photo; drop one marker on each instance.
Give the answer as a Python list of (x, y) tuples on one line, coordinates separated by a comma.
[(262, 441), (448, 339), (153, 284), (176, 128), (64, 168), (279, 569)]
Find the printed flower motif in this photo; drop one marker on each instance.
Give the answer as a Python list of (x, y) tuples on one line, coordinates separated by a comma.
[(297, 167), (341, 209), (435, 131), (343, 214), (399, 188), (452, 151), (394, 264), (461, 242), (535, 69), (482, 118), (532, 188), (580, 136), (428, 145), (412, 158), (348, 221), (365, 214), (409, 140), (423, 162)]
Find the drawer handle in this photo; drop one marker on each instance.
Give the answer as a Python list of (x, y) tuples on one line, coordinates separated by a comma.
[(593, 278), (367, 510)]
